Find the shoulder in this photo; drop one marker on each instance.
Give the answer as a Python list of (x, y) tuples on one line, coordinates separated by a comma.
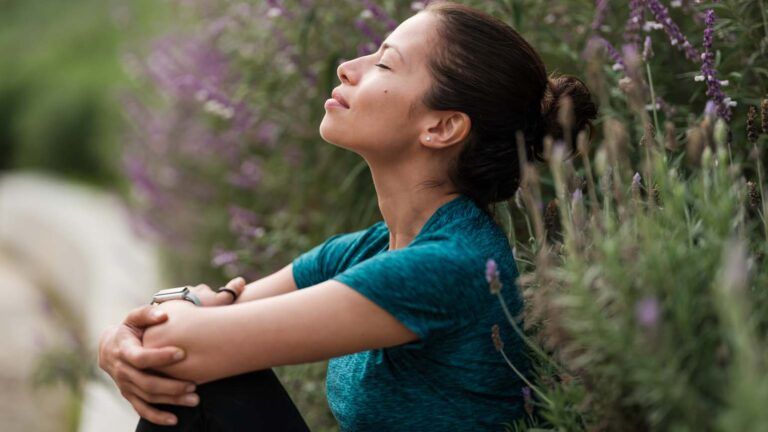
[(442, 261), (348, 240)]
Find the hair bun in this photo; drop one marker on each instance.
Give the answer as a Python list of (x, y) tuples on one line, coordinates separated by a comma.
[(583, 109)]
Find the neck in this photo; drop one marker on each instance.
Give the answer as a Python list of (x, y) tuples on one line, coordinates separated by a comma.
[(405, 202)]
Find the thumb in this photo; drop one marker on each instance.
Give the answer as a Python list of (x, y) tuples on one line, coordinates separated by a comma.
[(145, 316)]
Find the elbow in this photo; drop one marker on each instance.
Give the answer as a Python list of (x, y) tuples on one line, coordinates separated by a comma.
[(176, 332), (158, 336)]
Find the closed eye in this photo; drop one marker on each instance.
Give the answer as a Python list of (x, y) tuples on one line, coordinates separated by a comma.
[(382, 66)]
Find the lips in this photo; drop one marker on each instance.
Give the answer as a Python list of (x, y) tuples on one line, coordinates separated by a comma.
[(336, 95)]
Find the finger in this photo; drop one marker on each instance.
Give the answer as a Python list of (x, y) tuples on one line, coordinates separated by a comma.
[(237, 284), (187, 399), (145, 316), (150, 413), (143, 358), (153, 384), (225, 297)]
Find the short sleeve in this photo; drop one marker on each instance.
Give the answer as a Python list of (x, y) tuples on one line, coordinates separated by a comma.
[(320, 263), (432, 288)]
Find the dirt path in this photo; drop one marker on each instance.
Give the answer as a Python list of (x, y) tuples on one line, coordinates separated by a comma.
[(70, 245)]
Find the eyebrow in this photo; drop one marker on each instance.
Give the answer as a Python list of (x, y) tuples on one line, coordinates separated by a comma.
[(386, 45)]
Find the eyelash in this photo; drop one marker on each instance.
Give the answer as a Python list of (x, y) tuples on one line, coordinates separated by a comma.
[(382, 66)]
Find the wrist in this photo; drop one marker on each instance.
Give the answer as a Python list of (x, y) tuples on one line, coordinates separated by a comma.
[(104, 339), (179, 293)]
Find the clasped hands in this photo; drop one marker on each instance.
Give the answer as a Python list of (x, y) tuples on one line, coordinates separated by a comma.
[(122, 356)]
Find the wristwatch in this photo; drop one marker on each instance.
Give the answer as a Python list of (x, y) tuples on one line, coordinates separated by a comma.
[(178, 293)]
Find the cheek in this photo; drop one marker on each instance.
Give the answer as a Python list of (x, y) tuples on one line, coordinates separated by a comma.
[(385, 105)]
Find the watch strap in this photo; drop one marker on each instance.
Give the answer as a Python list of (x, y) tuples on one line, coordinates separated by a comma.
[(192, 297)]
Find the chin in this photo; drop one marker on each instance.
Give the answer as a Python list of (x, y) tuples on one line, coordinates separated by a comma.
[(328, 135)]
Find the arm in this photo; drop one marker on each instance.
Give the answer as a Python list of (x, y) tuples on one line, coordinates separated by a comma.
[(279, 282), (301, 326)]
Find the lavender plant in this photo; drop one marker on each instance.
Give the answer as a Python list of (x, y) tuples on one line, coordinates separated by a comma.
[(643, 276)]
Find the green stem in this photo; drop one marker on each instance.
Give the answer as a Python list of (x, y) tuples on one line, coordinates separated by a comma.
[(653, 102), (525, 338), (765, 21), (760, 187), (522, 377)]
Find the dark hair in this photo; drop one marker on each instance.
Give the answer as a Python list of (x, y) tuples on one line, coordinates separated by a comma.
[(482, 67)]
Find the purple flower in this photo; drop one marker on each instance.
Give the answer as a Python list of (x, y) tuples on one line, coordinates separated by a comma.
[(380, 14), (528, 400), (365, 29), (249, 175), (676, 37), (618, 62), (631, 58), (277, 6), (708, 72), (267, 133), (141, 180), (223, 257), (668, 109), (634, 22), (245, 224), (526, 392), (241, 218), (492, 276), (491, 270), (710, 109), (647, 312), (601, 7), (647, 50), (576, 195)]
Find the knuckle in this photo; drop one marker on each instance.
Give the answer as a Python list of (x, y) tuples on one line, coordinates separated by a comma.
[(139, 361), (150, 386), (146, 413), (152, 415), (119, 371)]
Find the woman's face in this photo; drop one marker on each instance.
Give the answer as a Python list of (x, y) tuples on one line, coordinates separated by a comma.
[(380, 89)]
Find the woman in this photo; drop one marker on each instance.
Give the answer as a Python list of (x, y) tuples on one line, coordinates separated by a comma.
[(402, 308)]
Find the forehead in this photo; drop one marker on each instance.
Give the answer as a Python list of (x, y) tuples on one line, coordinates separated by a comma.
[(411, 36)]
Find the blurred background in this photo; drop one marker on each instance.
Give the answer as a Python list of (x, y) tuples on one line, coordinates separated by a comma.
[(151, 144)]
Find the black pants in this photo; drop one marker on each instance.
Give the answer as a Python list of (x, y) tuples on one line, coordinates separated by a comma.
[(255, 401)]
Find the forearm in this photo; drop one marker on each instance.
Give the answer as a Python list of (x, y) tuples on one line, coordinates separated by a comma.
[(230, 340), (218, 342), (278, 283)]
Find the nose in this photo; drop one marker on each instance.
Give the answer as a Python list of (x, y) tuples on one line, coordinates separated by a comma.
[(344, 72)]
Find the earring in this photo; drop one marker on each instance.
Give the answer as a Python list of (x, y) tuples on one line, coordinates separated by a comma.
[(429, 138)]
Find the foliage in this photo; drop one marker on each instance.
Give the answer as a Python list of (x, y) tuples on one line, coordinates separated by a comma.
[(644, 275), (57, 112)]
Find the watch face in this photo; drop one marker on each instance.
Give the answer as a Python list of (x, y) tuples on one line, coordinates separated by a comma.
[(170, 294)]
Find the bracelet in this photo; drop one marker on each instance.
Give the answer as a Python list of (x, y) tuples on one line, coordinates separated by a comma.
[(231, 291)]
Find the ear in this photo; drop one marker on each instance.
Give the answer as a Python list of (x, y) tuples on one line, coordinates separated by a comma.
[(448, 129)]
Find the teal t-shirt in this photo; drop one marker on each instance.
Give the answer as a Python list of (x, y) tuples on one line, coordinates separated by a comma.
[(452, 378)]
